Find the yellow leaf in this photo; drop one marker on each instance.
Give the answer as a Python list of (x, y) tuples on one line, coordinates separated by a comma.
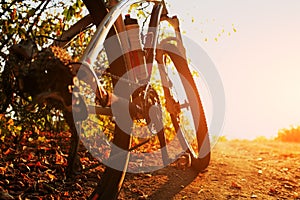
[(51, 176), (2, 170), (41, 139), (195, 73), (10, 122)]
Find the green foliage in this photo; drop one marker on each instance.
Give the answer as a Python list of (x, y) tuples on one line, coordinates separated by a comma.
[(291, 134), (42, 22), (7, 127)]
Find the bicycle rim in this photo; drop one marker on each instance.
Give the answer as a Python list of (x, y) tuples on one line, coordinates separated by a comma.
[(187, 114)]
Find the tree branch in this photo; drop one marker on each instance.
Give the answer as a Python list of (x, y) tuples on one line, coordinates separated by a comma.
[(8, 7), (38, 14)]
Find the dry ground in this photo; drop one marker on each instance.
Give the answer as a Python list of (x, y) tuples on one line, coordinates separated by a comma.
[(238, 170)]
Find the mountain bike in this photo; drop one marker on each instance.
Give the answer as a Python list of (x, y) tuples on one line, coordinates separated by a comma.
[(138, 91), (138, 79)]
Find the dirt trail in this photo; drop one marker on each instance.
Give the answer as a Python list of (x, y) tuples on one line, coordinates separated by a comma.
[(238, 170)]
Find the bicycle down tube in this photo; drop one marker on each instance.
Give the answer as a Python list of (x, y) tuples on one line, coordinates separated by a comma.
[(108, 22)]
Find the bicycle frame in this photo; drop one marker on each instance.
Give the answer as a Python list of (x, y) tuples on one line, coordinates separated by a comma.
[(89, 19), (113, 20), (108, 22)]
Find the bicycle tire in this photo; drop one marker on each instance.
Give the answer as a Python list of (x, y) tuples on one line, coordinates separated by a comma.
[(112, 179), (200, 156)]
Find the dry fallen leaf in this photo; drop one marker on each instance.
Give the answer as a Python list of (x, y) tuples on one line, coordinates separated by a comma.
[(66, 193), (8, 151), (2, 170), (51, 176)]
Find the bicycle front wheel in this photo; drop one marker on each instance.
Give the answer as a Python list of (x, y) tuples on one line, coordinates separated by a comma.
[(183, 103)]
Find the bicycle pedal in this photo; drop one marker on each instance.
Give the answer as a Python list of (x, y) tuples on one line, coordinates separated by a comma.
[(184, 161)]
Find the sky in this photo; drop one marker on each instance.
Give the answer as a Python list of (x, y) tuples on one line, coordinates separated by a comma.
[(257, 55)]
